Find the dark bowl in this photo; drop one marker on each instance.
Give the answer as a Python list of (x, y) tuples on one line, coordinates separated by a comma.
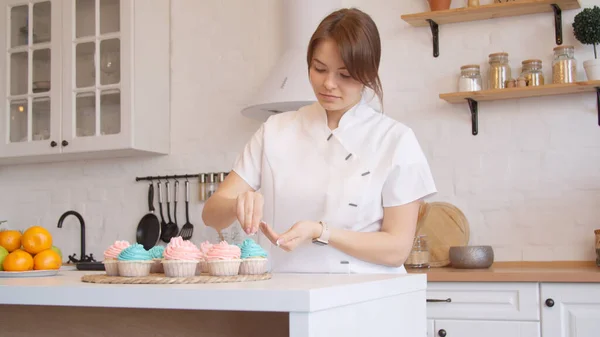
[(471, 257)]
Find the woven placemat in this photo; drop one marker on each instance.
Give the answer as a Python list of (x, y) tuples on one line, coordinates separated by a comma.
[(162, 279)]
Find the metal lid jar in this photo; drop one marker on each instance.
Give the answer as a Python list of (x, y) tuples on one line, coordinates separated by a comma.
[(532, 72), (564, 65), (499, 72), (470, 78)]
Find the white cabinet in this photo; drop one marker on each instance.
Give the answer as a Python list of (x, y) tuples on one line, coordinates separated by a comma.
[(84, 79), (570, 310)]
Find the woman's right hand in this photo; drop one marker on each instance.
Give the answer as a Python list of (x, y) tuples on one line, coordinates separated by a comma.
[(249, 211)]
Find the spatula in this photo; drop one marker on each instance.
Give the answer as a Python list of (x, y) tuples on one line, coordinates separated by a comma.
[(188, 229)]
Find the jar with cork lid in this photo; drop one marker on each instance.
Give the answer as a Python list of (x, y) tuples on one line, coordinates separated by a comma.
[(564, 65), (499, 72), (532, 72)]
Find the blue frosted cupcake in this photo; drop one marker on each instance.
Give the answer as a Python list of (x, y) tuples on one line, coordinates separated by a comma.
[(157, 253), (254, 258), (135, 261)]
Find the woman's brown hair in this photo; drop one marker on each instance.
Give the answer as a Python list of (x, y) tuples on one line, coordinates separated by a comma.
[(357, 38)]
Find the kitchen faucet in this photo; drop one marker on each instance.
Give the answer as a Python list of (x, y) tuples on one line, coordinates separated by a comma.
[(84, 258)]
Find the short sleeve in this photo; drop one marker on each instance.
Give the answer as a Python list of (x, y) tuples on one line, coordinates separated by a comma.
[(248, 163), (410, 177)]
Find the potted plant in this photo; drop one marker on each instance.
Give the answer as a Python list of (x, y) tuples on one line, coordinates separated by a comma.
[(586, 28), (439, 5)]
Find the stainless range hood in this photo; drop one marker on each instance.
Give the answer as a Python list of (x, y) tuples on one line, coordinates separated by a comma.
[(287, 87)]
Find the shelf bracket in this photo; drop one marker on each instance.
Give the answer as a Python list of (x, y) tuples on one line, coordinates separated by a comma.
[(435, 31), (473, 106), (598, 103), (557, 23)]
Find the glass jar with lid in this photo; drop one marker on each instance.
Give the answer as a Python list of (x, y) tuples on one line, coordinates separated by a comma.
[(532, 72), (564, 65), (419, 255), (499, 72), (470, 78)]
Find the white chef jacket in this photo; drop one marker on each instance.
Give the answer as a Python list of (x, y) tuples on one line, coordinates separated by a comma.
[(343, 177)]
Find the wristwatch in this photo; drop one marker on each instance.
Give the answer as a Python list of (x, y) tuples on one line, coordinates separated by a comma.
[(322, 240)]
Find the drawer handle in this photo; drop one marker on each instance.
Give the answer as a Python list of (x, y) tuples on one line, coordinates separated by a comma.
[(435, 300), (550, 302), (442, 333)]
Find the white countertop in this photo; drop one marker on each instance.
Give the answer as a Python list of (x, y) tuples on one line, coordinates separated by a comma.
[(282, 293)]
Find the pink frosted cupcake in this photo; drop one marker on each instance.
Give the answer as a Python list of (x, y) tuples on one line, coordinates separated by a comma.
[(180, 258), (224, 259), (110, 257), (205, 247)]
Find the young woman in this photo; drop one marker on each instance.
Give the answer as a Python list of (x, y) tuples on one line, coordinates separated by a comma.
[(336, 185)]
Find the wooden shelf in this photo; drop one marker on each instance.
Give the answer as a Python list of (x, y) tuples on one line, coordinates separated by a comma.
[(472, 98), (485, 12), (525, 92)]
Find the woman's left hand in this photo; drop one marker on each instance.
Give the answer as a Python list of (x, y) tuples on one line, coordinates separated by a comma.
[(300, 232)]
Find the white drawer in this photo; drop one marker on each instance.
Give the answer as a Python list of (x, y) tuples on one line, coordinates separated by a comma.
[(485, 328), (483, 300)]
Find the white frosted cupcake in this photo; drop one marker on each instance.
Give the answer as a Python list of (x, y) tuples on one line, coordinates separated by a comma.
[(205, 247), (157, 255), (180, 258), (134, 261), (111, 263), (254, 258), (224, 259)]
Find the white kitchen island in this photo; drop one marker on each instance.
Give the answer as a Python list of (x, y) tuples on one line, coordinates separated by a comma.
[(295, 305)]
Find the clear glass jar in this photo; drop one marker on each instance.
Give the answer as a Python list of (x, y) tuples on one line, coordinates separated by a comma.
[(500, 71), (470, 78), (419, 255), (564, 65), (532, 72)]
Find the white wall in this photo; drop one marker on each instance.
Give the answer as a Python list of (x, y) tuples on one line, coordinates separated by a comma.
[(529, 183)]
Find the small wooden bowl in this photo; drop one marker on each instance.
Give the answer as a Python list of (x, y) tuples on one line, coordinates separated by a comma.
[(471, 257)]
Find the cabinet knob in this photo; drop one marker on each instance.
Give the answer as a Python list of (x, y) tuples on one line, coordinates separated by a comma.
[(53, 144), (442, 333), (65, 143), (550, 302)]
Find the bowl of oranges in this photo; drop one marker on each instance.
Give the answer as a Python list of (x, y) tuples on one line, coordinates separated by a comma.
[(28, 253)]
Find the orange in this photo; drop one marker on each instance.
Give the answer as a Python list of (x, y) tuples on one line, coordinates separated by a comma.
[(36, 239), (10, 239), (18, 260), (47, 259)]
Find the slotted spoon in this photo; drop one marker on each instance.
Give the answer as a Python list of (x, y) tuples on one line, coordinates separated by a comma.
[(188, 229)]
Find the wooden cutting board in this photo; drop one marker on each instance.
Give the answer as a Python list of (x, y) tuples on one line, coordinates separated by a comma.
[(444, 225)]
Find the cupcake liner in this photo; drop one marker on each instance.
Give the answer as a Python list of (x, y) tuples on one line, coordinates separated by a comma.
[(224, 267), (135, 268), (253, 266), (180, 268), (157, 267), (112, 267)]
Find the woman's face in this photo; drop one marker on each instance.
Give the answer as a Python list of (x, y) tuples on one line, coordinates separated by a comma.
[(330, 80)]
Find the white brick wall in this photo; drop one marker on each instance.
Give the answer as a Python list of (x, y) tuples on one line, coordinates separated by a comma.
[(529, 182)]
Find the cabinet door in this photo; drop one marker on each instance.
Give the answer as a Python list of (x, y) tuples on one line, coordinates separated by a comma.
[(96, 86), (30, 90), (456, 328), (570, 310)]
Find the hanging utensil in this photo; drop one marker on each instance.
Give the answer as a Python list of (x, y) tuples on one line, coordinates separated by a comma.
[(148, 229), (163, 223), (188, 229), (171, 229)]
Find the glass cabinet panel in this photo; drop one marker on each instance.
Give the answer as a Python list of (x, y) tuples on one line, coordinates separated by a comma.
[(19, 121), (97, 91), (41, 70), (19, 73), (42, 12), (19, 26), (40, 110)]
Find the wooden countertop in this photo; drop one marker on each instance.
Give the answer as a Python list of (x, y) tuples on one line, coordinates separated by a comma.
[(555, 271)]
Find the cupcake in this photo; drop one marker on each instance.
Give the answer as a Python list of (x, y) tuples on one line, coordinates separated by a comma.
[(254, 258), (135, 261), (180, 258), (203, 265), (110, 257), (157, 255), (224, 259)]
